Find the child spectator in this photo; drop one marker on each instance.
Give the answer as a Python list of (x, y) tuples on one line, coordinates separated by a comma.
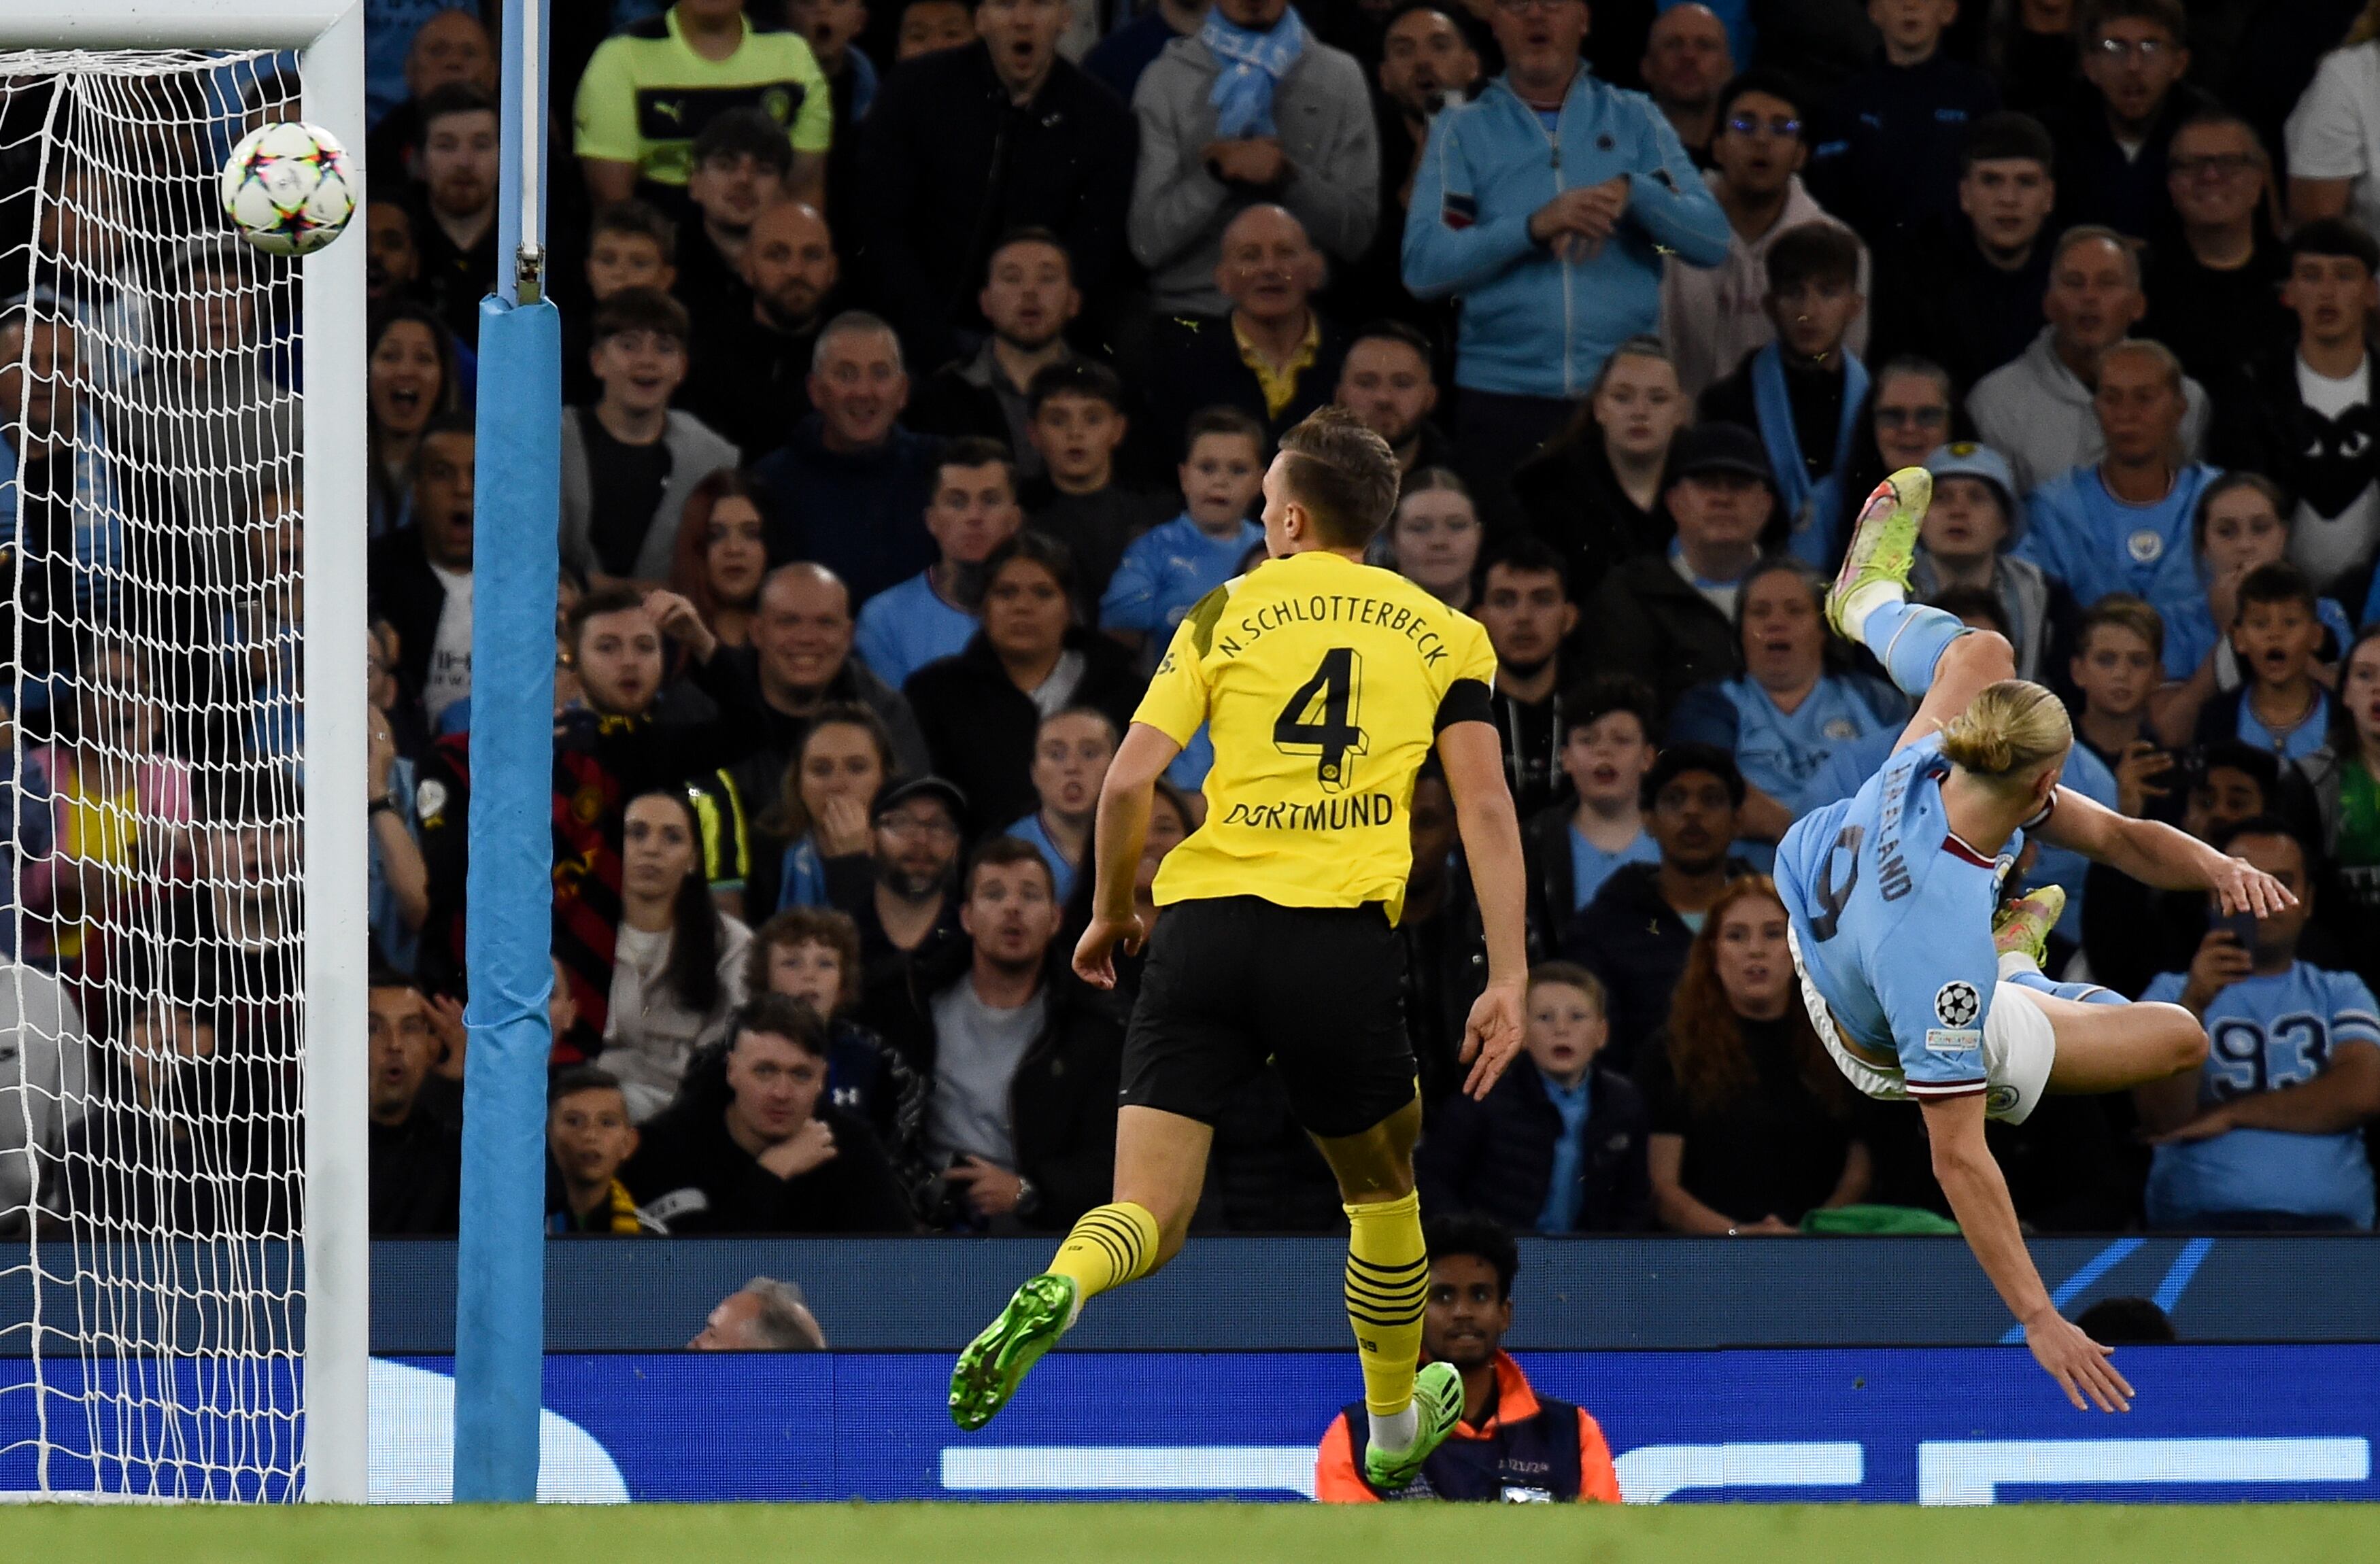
[(2281, 708), (1753, 1126), (588, 1140), (2242, 525), (1803, 391), (1786, 713), (1170, 567), (1071, 751), (722, 556), (630, 462), (629, 245), (1965, 539), (1558, 1145), (1434, 535), (2267, 1135), (812, 954), (1888, 154), (2309, 416), (1571, 849), (971, 512), (677, 961), (2116, 651), (1076, 419)]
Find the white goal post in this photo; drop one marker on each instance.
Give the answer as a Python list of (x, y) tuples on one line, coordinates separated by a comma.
[(317, 1445)]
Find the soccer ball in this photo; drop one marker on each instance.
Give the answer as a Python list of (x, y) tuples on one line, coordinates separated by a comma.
[(287, 188)]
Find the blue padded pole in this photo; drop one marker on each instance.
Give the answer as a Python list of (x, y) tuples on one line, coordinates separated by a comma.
[(499, 1289)]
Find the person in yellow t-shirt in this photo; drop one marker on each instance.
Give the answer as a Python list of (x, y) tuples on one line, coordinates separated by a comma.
[(648, 92), (1324, 685)]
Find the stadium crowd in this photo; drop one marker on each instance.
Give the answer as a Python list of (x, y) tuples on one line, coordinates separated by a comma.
[(921, 369)]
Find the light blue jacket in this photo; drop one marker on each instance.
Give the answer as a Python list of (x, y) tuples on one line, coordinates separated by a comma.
[(1532, 324)]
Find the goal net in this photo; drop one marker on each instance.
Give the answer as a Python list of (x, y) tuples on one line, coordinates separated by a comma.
[(151, 777)]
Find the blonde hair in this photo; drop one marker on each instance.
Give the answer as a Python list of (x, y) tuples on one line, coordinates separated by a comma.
[(2007, 730)]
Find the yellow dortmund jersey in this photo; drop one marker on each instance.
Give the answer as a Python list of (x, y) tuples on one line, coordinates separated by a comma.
[(646, 95), (1323, 685)]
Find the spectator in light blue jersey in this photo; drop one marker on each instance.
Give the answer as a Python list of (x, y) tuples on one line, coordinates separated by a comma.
[(971, 511), (1071, 752), (1169, 568), (2122, 524), (2267, 1134), (1786, 714), (2276, 634)]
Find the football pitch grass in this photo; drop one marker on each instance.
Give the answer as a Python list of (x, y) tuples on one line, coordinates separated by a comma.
[(1194, 1534)]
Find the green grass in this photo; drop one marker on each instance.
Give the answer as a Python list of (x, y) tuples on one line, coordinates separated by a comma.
[(1221, 1533)]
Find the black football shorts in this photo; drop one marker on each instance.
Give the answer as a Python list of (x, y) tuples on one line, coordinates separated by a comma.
[(1234, 982)]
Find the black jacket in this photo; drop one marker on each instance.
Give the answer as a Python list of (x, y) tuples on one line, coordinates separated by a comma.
[(2325, 462), (416, 1177), (1938, 298), (1648, 620), (1062, 1099), (747, 379), (1496, 1158), (948, 164), (1545, 853), (1194, 362), (402, 589), (690, 1174), (1573, 502), (2097, 182), (1632, 940), (980, 726)]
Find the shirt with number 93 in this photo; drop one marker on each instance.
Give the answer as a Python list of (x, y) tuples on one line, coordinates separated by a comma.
[(1323, 684)]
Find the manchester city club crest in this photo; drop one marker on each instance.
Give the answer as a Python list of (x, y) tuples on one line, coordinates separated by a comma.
[(1956, 1003), (2146, 546)]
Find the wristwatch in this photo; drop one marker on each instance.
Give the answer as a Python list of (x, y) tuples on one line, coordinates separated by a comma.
[(1028, 1198), (381, 802)]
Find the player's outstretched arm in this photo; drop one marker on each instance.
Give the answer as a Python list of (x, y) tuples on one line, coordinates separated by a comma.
[(1121, 830), (1979, 1199), (1472, 755), (2157, 854)]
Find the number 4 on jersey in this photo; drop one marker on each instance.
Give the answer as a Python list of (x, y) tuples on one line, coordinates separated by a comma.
[(1336, 690)]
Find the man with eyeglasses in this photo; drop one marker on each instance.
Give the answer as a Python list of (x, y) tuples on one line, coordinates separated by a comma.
[(916, 830), (1542, 205), (2214, 298), (2112, 147), (1711, 317)]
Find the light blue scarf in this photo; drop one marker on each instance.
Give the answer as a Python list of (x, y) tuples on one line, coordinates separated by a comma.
[(1253, 65), (1814, 509)]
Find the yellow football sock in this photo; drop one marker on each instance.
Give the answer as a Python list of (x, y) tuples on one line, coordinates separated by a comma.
[(1388, 1285), (1110, 1245)]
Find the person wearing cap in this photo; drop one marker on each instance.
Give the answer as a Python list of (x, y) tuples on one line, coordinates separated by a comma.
[(1020, 1121), (1635, 933), (1965, 539), (1667, 618), (915, 831)]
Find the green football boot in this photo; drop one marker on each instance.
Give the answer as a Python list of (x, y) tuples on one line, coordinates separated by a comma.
[(1438, 1398), (995, 1363), (1884, 541), (2024, 924)]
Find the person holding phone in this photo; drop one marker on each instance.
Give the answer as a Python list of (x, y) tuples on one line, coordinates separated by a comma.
[(2267, 1135)]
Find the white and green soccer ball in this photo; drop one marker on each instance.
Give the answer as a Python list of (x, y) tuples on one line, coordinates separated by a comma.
[(287, 188)]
